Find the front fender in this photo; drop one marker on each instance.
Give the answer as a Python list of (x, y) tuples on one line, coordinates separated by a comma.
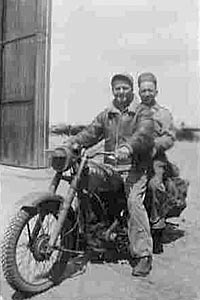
[(34, 199)]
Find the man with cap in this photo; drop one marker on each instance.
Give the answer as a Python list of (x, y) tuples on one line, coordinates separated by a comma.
[(128, 130), (164, 137)]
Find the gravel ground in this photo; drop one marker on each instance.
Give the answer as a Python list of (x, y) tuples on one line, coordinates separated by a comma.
[(176, 272)]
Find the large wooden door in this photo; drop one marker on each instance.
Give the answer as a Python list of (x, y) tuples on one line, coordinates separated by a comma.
[(24, 65)]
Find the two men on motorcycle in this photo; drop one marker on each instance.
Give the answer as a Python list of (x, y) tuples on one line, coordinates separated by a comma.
[(136, 133), (128, 130)]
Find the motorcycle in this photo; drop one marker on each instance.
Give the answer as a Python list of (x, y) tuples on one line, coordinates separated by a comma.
[(49, 230)]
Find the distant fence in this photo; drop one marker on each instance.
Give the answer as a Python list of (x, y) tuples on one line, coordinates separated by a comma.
[(188, 134)]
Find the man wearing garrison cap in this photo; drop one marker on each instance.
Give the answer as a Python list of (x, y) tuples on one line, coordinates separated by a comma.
[(128, 130), (164, 137)]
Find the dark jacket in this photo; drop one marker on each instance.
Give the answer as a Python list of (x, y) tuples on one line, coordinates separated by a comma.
[(132, 128)]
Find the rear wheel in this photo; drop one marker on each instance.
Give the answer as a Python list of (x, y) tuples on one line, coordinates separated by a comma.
[(27, 265)]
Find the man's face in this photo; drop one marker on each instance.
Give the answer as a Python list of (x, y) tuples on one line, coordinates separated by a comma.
[(147, 92), (122, 91)]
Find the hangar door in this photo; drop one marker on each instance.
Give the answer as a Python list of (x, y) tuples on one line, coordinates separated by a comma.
[(24, 67)]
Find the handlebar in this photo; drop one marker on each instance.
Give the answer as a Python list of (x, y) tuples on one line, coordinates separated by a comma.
[(111, 155)]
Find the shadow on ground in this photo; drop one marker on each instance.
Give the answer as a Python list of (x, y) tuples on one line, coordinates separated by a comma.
[(75, 267)]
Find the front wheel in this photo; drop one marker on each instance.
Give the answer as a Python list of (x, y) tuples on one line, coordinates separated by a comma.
[(27, 265)]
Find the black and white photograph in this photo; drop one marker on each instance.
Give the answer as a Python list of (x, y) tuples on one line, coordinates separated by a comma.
[(100, 149)]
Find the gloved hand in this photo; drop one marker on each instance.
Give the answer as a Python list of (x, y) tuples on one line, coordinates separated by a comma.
[(122, 153), (59, 128)]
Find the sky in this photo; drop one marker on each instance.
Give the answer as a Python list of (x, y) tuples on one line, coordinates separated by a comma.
[(93, 39)]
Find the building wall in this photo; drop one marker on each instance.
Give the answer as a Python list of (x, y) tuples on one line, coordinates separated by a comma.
[(92, 39)]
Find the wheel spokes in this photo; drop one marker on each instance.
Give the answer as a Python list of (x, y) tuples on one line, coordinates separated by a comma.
[(32, 266)]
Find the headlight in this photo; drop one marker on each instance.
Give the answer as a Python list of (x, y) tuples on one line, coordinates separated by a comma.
[(59, 160)]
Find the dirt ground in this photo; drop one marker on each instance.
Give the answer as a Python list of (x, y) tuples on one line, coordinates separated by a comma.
[(176, 272)]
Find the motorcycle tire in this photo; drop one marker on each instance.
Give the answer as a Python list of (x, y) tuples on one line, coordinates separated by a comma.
[(10, 248)]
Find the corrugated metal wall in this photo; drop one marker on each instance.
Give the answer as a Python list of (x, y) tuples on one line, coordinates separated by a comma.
[(24, 94)]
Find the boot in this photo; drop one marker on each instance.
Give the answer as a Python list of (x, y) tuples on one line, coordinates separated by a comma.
[(157, 243), (143, 267)]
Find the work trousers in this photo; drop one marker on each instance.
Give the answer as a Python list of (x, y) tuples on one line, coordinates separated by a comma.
[(139, 233)]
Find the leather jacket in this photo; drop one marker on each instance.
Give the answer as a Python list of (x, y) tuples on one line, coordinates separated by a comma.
[(133, 128)]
